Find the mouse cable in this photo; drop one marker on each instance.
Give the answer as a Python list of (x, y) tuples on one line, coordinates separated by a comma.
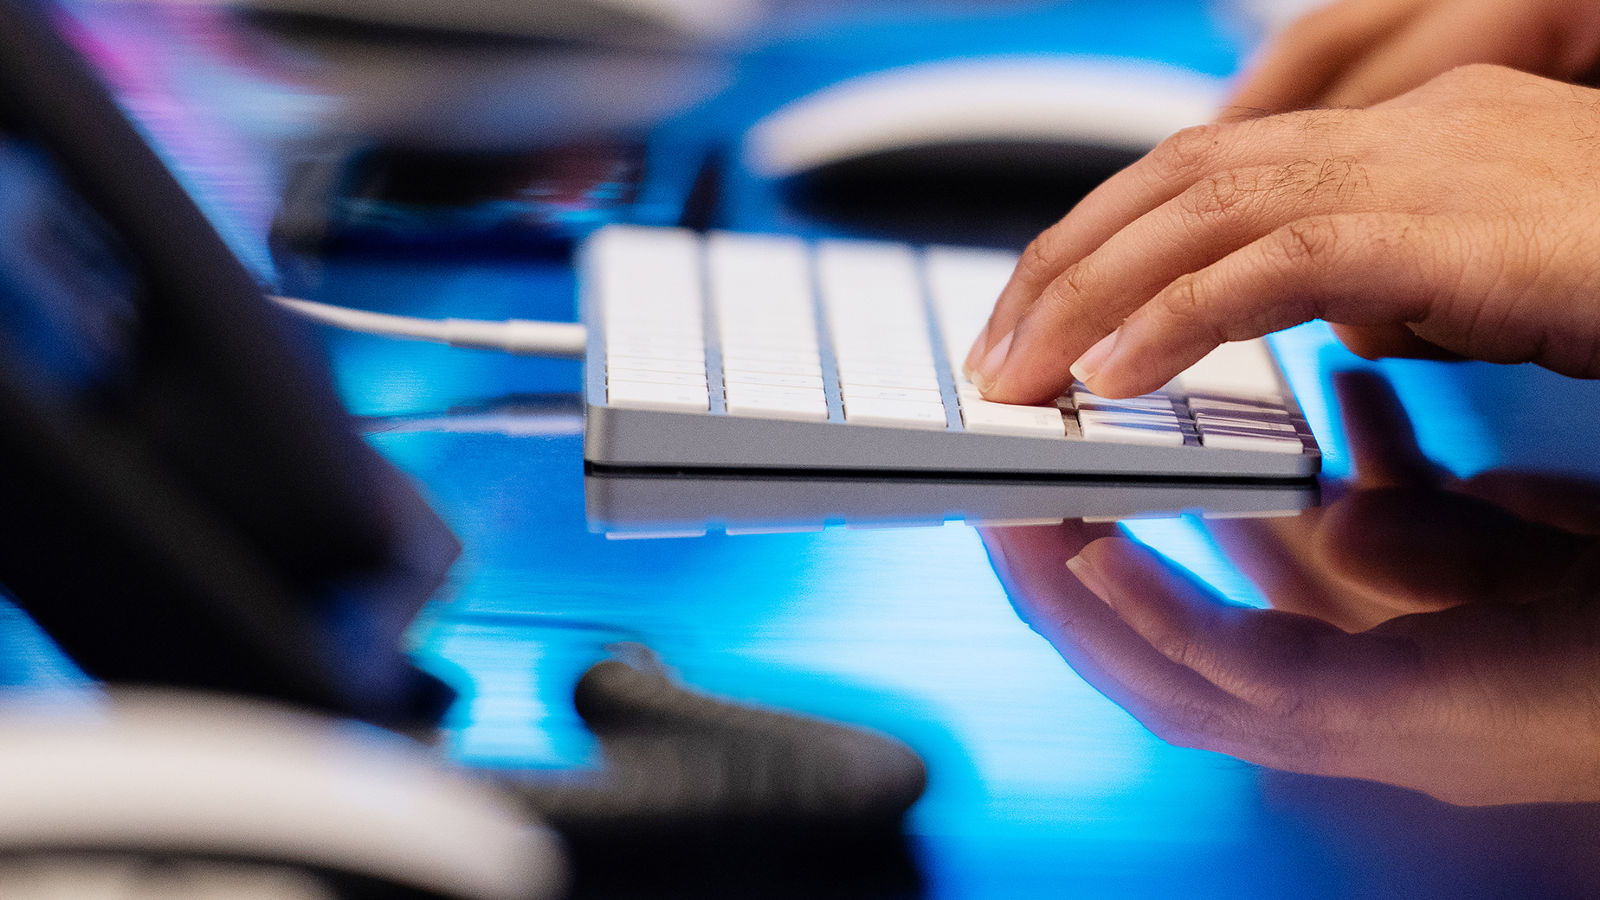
[(565, 340)]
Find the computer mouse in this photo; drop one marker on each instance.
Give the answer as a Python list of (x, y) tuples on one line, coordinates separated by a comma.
[(988, 149), (250, 793)]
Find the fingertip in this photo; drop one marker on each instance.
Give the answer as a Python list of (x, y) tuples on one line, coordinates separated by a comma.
[(1095, 358), (980, 347), (1089, 575), (986, 373)]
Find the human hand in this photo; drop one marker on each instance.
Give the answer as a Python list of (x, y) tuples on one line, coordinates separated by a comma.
[(1400, 535), (1487, 697), (1360, 52), (1457, 218)]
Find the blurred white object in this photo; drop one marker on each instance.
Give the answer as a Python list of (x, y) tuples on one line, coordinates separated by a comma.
[(1121, 104), (624, 21), (169, 773)]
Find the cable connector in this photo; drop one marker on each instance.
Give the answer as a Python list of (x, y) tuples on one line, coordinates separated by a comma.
[(566, 340)]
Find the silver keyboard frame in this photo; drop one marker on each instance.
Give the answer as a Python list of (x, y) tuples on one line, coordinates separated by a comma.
[(619, 437)]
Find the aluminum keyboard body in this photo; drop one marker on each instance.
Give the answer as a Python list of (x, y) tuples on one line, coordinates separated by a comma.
[(764, 352)]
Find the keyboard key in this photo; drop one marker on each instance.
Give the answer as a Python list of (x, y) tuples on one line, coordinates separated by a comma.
[(1122, 431), (766, 379), (664, 366), (644, 375), (730, 367), (1231, 439), (1242, 370), (1085, 399), (1220, 407), (895, 413), (866, 371), (981, 417), (964, 284), (896, 395), (1150, 417), (658, 396), (1204, 422), (914, 381), (773, 403)]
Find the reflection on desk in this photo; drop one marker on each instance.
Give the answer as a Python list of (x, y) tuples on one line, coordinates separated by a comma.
[(1436, 634)]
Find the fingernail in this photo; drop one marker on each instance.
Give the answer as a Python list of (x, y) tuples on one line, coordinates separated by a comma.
[(979, 345), (1095, 357), (1087, 573), (992, 361)]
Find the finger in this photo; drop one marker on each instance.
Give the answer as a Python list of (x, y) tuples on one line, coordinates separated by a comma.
[(1280, 559), (1390, 342), (1100, 214), (1364, 269), (1383, 445), (1284, 665), (1310, 56), (1447, 36), (1263, 673), (1166, 172), (1218, 214), (1419, 550), (1100, 647), (1029, 557)]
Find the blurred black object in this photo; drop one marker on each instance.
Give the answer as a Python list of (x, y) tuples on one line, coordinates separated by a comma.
[(182, 498), (408, 200), (981, 194), (699, 796)]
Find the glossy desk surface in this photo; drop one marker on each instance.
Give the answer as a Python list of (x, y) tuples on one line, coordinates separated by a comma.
[(1395, 693)]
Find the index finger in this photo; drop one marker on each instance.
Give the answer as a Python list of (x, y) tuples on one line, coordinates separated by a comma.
[(1174, 166)]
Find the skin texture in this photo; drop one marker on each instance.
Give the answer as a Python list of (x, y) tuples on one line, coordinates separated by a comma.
[(1455, 219), (1436, 634)]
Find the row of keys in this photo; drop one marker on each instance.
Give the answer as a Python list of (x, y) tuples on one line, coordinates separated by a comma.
[(766, 321), (654, 323)]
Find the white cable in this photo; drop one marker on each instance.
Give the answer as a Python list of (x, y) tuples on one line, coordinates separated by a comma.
[(567, 340)]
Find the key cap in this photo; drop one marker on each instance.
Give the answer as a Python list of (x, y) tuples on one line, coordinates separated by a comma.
[(763, 379), (644, 375), (776, 403), (898, 395), (1205, 421), (895, 413), (653, 395), (964, 284), (1230, 439), (981, 417), (1243, 370), (665, 366), (1123, 432)]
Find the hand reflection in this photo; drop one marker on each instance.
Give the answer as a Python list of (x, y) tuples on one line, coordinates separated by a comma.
[(1441, 635)]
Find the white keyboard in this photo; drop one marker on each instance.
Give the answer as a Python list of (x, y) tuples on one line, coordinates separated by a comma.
[(768, 352)]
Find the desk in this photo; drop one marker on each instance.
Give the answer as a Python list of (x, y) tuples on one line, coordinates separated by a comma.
[(1039, 784)]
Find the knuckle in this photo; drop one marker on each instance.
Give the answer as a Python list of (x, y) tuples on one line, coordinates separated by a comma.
[(1064, 301), (1187, 306), (1196, 726), (1305, 244), (1182, 299), (1217, 196), (1188, 151), (1038, 261)]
